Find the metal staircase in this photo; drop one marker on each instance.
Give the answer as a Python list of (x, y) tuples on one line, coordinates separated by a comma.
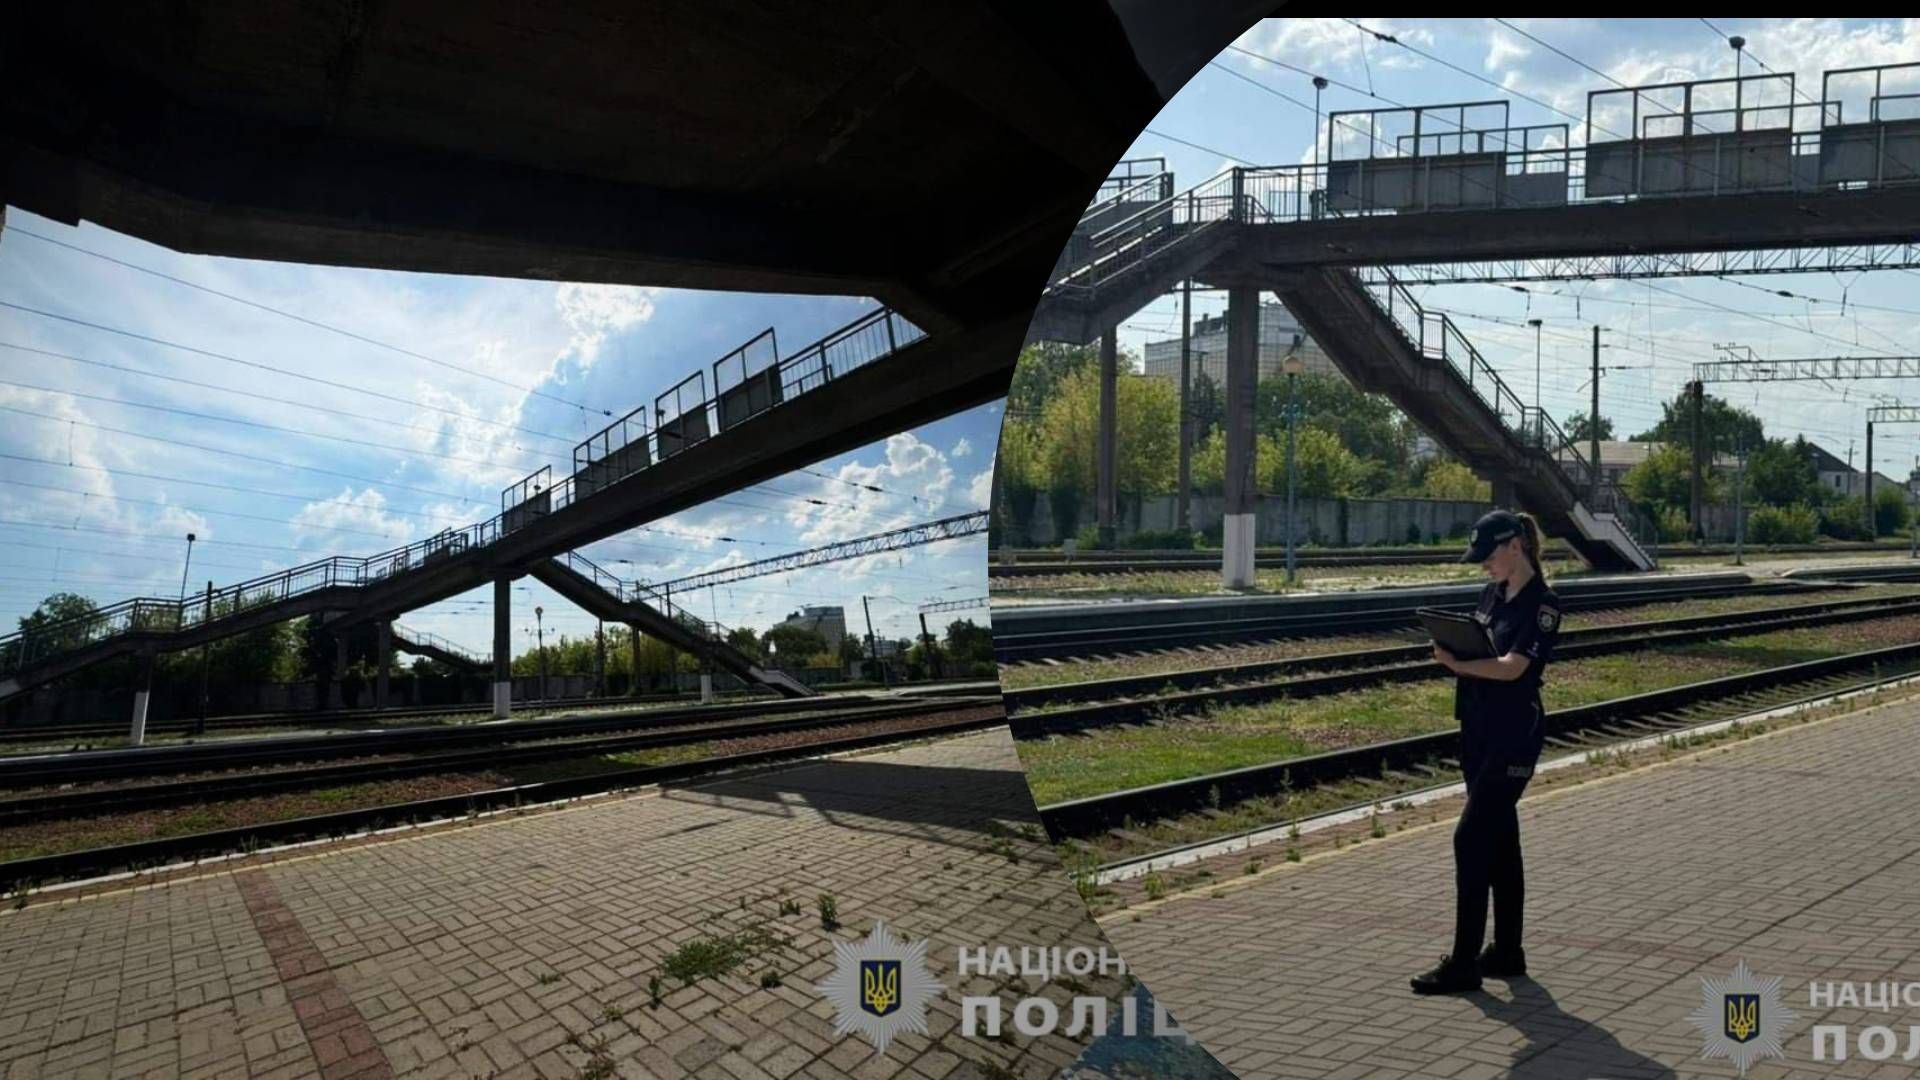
[(1420, 360), (435, 647), (615, 600)]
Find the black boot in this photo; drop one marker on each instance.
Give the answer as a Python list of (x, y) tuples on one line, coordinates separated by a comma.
[(1503, 963), (1449, 978)]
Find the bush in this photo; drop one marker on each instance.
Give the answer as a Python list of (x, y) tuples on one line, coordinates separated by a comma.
[(1088, 538), (1890, 510), (1672, 525), (1845, 519), (1783, 525), (1170, 540)]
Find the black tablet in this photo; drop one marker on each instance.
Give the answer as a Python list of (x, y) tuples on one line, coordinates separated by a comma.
[(1463, 635)]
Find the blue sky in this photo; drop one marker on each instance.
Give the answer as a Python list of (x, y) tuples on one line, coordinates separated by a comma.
[(1233, 109), (93, 500)]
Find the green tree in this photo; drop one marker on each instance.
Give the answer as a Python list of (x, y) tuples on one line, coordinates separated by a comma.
[(790, 643), (1041, 368), (1454, 480), (1146, 424), (1780, 473), (1366, 424), (1725, 427), (744, 639), (1579, 430), (1207, 404), (1665, 479), (969, 642)]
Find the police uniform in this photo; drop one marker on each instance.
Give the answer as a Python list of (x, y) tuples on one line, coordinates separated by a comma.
[(1502, 729)]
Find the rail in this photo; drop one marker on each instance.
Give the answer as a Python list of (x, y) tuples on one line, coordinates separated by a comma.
[(871, 337)]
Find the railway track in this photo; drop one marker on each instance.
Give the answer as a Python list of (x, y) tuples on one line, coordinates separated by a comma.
[(39, 770), (85, 732), (1409, 763), (1145, 698), (1053, 564), (852, 729), (1096, 630)]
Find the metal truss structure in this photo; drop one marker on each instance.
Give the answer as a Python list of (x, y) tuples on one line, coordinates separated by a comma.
[(1847, 258), (924, 533)]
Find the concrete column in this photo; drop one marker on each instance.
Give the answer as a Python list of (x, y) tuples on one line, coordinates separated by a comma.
[(383, 634), (142, 691), (1183, 515), (599, 661), (1106, 493), (706, 688), (633, 661), (502, 647), (1243, 373)]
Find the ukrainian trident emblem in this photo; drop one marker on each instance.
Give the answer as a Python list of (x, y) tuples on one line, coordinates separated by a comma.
[(879, 986), (1743, 1017)]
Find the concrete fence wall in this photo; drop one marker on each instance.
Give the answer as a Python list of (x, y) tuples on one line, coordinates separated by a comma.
[(1334, 522), (113, 705)]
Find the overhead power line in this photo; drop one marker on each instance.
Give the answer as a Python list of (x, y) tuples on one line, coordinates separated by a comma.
[(291, 374), (316, 323)]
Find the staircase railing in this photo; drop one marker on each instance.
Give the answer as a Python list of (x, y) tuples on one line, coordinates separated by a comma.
[(871, 337), (428, 640)]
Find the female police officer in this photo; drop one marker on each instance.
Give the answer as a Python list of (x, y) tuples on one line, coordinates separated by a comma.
[(1497, 702)]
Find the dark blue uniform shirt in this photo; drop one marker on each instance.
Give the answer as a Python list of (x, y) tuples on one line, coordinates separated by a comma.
[(1500, 720)]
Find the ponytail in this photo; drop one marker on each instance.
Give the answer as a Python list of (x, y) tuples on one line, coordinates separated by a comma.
[(1530, 543)]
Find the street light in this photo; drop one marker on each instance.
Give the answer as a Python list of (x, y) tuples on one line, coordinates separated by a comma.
[(1539, 423), (1319, 84), (540, 638), (183, 571), (1293, 367)]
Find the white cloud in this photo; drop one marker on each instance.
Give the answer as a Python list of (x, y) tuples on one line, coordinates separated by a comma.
[(911, 468), (980, 489), (961, 448), (365, 512), (593, 312)]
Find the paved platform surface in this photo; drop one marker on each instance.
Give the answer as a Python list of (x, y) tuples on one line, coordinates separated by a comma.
[(1798, 852), (523, 946)]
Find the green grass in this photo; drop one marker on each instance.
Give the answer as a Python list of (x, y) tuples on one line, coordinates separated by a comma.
[(1113, 759), (1027, 676)]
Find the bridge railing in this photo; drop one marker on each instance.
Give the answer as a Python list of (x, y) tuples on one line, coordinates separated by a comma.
[(598, 464), (423, 638)]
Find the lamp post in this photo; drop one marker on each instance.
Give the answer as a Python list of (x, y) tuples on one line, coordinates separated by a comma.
[(1539, 422), (1293, 366), (1319, 84), (183, 574), (540, 640)]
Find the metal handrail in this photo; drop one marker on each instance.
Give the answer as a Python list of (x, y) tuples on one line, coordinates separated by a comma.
[(872, 337)]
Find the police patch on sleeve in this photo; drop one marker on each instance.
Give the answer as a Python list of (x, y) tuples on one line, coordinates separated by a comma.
[(1549, 620)]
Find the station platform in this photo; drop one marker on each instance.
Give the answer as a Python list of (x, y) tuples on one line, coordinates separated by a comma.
[(1797, 851), (523, 946)]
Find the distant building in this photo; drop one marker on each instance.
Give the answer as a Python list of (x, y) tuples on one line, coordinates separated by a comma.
[(830, 622), (1278, 331), (1618, 456)]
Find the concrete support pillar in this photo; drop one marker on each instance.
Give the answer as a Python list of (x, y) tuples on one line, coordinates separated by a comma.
[(706, 688), (383, 634), (633, 660), (502, 648), (1107, 460), (1183, 515), (599, 661), (1238, 533), (142, 691)]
